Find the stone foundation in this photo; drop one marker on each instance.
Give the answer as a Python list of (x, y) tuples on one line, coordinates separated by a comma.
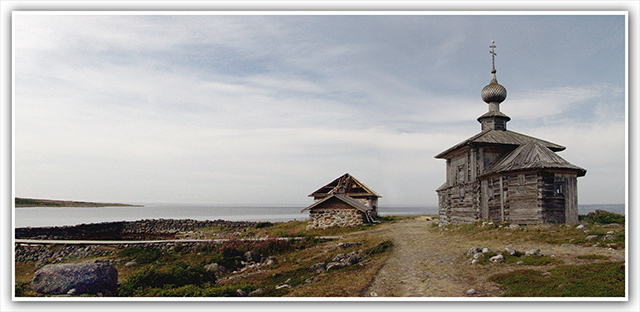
[(323, 218)]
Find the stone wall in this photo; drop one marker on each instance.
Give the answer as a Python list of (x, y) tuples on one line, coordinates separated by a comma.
[(161, 228), (326, 217)]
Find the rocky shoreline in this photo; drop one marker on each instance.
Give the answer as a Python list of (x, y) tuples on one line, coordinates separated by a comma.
[(142, 229)]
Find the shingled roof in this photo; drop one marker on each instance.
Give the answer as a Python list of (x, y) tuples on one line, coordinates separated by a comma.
[(532, 155), (504, 137), (345, 184), (346, 199)]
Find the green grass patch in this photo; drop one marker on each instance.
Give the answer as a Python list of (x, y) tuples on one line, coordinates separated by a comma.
[(602, 217), (592, 257), (178, 274), (380, 248), (590, 280)]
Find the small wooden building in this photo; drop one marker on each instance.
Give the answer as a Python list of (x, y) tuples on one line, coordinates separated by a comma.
[(503, 176), (343, 202)]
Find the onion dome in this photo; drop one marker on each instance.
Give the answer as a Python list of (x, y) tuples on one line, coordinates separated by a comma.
[(494, 92)]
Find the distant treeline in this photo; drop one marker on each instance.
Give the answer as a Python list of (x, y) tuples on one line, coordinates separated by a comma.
[(31, 202)]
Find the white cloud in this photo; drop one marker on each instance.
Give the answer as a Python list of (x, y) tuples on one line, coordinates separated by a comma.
[(232, 109)]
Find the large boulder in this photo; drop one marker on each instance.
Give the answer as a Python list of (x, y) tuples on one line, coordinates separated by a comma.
[(217, 269), (75, 278), (252, 256)]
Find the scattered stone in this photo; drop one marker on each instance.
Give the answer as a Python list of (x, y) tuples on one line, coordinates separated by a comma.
[(608, 237), (284, 286), (256, 292), (533, 252), (514, 226), (131, 263), (471, 292), (475, 261), (474, 250), (520, 262), (478, 256), (591, 237), (241, 293), (496, 258), (318, 268), (486, 250), (580, 227), (82, 278), (347, 245), (332, 265), (373, 294), (510, 250), (271, 260)]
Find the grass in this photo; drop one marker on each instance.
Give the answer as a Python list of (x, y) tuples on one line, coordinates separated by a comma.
[(542, 233), (181, 272), (590, 280)]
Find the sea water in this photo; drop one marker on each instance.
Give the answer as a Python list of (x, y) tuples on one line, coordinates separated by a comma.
[(62, 216)]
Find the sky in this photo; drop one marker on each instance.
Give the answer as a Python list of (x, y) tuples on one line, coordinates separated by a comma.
[(265, 109)]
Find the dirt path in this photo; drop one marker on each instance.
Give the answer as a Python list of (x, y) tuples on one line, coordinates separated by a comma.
[(429, 262)]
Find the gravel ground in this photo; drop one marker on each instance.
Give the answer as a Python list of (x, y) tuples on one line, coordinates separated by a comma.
[(429, 262)]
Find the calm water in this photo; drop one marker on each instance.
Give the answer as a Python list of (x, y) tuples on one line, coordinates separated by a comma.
[(59, 216)]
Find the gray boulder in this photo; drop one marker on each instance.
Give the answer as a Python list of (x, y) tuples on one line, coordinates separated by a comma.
[(75, 278), (252, 256), (474, 250), (318, 268), (533, 252), (217, 269), (496, 258), (510, 250)]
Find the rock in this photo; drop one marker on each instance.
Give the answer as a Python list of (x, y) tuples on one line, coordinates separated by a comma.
[(580, 227), (478, 256), (474, 261), (347, 245), (256, 292), (332, 265), (510, 250), (130, 264), (82, 278), (318, 268), (285, 286), (591, 237), (252, 256), (486, 250), (533, 252), (473, 251), (608, 237), (352, 258), (217, 269), (471, 292), (514, 226), (271, 260), (520, 262), (241, 293), (496, 258)]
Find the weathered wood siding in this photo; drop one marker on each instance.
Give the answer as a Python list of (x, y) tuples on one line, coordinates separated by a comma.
[(524, 204)]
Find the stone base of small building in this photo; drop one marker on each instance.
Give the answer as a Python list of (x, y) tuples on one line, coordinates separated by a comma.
[(324, 218)]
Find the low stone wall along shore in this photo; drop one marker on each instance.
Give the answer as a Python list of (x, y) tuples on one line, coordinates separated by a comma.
[(142, 229)]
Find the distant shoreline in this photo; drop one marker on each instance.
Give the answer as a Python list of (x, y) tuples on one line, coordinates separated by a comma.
[(33, 202)]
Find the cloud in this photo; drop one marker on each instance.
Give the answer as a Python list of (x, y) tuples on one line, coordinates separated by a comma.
[(255, 109)]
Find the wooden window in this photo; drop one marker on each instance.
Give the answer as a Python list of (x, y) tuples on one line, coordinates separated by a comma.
[(460, 174), (558, 186), (521, 183)]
